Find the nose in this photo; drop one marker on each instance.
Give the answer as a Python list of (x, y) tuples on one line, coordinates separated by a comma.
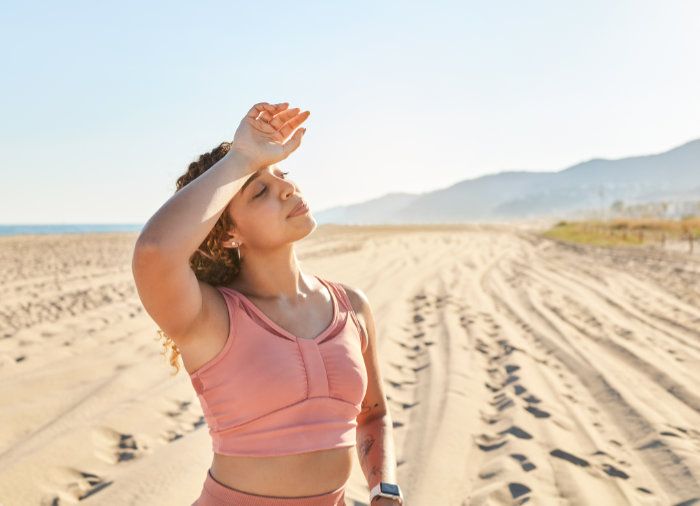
[(288, 187)]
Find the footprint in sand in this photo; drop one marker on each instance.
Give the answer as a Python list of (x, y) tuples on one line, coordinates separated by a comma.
[(519, 389), (523, 461), (537, 413), (416, 347), (482, 347), (569, 457), (185, 420), (517, 490), (487, 446), (488, 442), (115, 447), (76, 485), (606, 467), (415, 356), (502, 401), (489, 419), (517, 432), (420, 368), (401, 404), (614, 472)]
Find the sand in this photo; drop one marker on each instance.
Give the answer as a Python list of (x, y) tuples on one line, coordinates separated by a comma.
[(517, 370)]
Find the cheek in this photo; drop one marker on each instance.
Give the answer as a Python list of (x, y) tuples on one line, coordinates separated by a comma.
[(273, 210), (264, 219)]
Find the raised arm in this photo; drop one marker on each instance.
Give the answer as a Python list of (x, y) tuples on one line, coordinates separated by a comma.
[(166, 284), (185, 220)]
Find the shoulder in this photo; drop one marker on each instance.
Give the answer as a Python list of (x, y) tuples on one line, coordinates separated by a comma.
[(358, 298), (361, 305)]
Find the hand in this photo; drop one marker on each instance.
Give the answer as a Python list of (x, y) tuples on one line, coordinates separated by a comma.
[(261, 134)]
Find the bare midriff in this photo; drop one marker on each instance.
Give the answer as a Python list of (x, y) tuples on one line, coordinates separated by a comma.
[(311, 473)]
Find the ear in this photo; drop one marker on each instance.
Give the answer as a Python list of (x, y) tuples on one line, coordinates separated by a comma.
[(232, 241)]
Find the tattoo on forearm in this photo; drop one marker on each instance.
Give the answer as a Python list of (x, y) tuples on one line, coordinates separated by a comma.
[(366, 407), (374, 472), (366, 446)]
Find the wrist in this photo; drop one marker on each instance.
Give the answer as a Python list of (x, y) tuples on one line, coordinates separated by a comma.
[(241, 160)]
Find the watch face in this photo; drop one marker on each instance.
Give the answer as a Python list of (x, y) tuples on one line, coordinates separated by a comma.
[(389, 488)]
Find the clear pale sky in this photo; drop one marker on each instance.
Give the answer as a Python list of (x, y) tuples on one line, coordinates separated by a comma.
[(105, 104)]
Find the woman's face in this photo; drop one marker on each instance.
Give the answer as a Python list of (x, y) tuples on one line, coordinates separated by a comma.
[(260, 211)]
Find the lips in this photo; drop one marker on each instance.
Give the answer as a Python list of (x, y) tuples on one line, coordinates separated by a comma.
[(298, 208)]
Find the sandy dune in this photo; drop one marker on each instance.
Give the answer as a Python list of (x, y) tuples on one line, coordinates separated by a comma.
[(517, 369)]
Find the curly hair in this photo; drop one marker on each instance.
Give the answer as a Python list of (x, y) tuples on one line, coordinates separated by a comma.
[(211, 262)]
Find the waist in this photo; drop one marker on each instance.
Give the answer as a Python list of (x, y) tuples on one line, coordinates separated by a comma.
[(300, 474)]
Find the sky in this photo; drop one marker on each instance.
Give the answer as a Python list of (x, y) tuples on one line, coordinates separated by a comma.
[(104, 104)]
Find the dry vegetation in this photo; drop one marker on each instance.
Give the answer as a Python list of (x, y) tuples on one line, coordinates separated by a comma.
[(628, 231)]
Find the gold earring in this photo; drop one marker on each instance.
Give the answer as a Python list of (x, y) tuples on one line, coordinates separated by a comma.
[(238, 251)]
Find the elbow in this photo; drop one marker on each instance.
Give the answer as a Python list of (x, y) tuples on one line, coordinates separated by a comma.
[(142, 248), (373, 418), (145, 241), (143, 254)]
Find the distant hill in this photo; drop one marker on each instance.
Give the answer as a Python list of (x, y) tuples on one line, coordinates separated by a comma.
[(595, 184)]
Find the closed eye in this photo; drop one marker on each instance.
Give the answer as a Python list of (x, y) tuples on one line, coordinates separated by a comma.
[(265, 187)]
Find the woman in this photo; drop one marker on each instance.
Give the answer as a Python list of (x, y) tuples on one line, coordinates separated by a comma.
[(285, 393)]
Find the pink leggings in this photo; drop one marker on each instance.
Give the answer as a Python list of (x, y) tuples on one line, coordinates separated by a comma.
[(218, 494)]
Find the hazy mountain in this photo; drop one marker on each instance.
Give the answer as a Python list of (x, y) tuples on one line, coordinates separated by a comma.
[(672, 175)]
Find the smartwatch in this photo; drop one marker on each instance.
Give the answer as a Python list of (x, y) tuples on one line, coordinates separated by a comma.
[(385, 489)]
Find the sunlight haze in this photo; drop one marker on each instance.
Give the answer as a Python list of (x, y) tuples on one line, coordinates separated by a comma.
[(105, 104)]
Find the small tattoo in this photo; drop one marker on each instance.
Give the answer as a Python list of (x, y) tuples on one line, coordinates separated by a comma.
[(366, 446), (374, 471), (365, 408)]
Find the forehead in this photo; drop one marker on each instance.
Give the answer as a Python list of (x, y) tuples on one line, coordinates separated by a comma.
[(268, 169)]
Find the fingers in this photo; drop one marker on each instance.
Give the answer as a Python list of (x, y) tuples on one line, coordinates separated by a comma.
[(264, 107), (264, 127), (284, 116), (268, 116), (278, 121), (258, 108), (293, 143), (294, 122)]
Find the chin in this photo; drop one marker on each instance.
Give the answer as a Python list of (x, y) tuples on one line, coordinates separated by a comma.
[(305, 226)]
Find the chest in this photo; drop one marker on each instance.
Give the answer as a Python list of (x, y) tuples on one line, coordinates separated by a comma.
[(302, 324), (262, 373)]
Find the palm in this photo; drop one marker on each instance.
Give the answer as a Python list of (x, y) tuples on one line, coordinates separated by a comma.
[(262, 133)]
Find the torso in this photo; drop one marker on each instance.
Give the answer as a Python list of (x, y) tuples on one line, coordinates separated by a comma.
[(304, 474)]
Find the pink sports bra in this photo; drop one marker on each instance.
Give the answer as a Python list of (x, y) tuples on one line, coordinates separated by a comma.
[(268, 392)]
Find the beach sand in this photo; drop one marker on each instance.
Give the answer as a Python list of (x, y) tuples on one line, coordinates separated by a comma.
[(517, 369)]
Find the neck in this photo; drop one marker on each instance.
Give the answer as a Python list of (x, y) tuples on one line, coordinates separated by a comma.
[(272, 275)]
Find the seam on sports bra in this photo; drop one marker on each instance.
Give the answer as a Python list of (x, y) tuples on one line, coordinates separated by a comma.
[(348, 307), (259, 317), (361, 331), (337, 399), (306, 371), (338, 295), (325, 372), (255, 317), (288, 406)]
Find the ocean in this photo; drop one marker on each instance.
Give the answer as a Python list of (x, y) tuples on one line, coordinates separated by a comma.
[(71, 228)]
